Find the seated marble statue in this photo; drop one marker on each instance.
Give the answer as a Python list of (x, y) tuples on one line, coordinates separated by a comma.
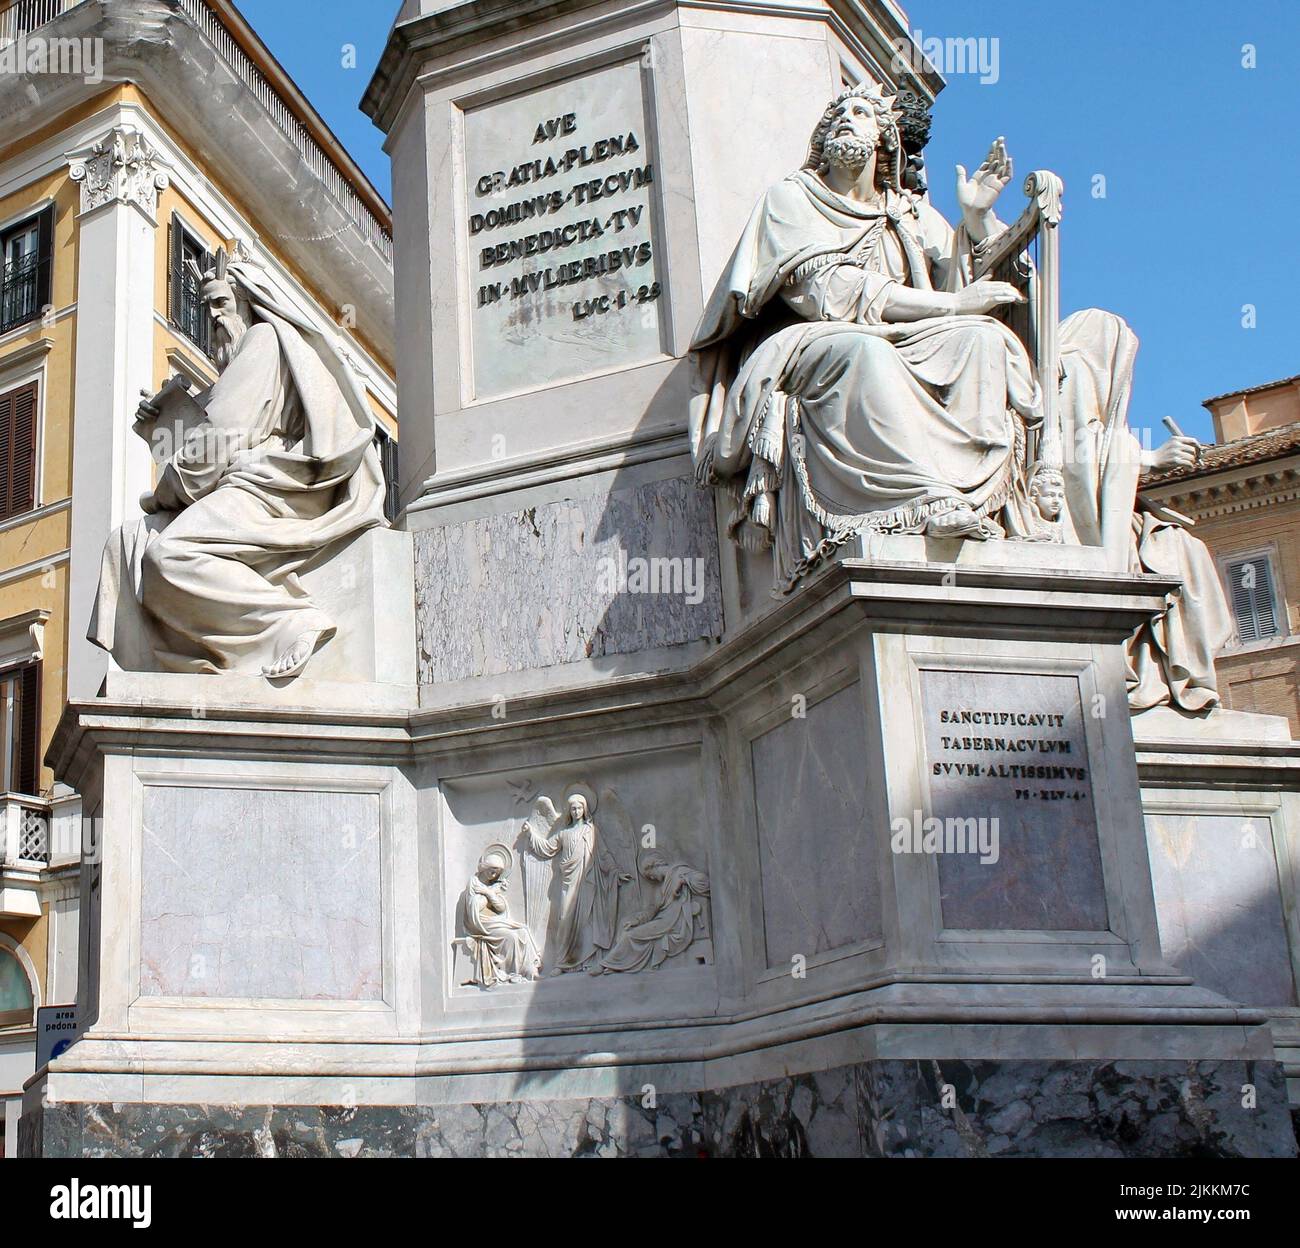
[(1171, 658), (854, 381), (282, 471), (851, 380), (501, 949)]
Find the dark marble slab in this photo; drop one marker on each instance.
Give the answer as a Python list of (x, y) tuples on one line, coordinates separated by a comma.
[(926, 1108)]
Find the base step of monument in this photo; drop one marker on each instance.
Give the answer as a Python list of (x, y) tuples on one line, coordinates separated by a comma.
[(881, 1108)]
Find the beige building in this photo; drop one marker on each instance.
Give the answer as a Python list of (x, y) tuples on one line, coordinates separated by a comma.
[(136, 134), (1244, 495)]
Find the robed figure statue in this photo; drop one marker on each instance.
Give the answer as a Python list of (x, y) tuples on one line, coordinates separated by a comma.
[(280, 469), (852, 380)]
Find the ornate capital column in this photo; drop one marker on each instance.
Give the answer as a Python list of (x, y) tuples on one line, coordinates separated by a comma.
[(123, 167)]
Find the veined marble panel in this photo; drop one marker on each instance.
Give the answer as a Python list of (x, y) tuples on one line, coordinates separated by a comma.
[(1218, 905), (819, 864), (1006, 754), (608, 572), (260, 893)]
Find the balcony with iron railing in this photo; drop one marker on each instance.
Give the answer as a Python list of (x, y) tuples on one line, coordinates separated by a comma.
[(24, 16), (20, 285)]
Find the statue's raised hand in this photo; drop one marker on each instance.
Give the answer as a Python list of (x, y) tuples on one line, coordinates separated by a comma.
[(977, 193)]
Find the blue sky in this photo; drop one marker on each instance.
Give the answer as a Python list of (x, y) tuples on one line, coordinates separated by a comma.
[(1198, 155)]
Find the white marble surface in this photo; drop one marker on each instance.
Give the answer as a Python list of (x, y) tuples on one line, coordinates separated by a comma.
[(1221, 916), (366, 588), (818, 852), (260, 893)]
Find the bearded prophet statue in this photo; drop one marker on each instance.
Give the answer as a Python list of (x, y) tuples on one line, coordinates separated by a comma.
[(279, 470), (852, 379)]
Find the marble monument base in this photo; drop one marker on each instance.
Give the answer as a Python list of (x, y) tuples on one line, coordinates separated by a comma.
[(920, 918), (879, 1108)]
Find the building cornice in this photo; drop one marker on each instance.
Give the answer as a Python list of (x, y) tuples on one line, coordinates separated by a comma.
[(874, 30), (1233, 491), (236, 129)]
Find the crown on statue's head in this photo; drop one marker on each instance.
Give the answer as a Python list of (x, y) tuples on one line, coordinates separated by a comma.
[(870, 91), (212, 281)]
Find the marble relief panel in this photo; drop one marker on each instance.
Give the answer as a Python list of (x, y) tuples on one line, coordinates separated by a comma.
[(598, 869)]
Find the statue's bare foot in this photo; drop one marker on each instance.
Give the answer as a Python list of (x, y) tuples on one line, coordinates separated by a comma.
[(960, 522), (294, 659)]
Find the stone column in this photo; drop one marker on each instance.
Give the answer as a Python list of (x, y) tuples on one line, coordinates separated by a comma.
[(120, 177)]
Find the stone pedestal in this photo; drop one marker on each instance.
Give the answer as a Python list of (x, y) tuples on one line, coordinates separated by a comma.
[(1221, 795), (273, 921), (863, 869)]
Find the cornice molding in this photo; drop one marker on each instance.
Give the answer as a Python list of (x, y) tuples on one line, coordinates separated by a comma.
[(873, 30)]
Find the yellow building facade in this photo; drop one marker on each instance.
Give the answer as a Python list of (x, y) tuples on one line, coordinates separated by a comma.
[(192, 139)]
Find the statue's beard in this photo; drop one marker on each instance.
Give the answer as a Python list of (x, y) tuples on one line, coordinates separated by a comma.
[(848, 153), (230, 329)]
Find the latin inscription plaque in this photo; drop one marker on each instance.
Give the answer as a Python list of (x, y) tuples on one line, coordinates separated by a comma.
[(564, 278), (1009, 771)]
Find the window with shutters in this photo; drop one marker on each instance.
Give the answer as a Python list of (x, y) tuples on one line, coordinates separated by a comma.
[(386, 445), (18, 450), (20, 728), (186, 309), (1252, 594), (27, 254)]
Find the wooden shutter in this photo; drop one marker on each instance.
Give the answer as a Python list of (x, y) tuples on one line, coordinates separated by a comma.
[(1250, 588), (17, 450), (44, 257), (176, 272), (27, 730), (387, 446)]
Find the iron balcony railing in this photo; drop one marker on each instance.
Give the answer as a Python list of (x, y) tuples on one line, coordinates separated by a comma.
[(22, 16), (19, 291)]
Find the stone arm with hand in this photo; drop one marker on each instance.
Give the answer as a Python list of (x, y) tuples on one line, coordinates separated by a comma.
[(1179, 451), (976, 195)]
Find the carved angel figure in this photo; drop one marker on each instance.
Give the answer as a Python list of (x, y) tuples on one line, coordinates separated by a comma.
[(501, 949), (666, 927), (584, 920)]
